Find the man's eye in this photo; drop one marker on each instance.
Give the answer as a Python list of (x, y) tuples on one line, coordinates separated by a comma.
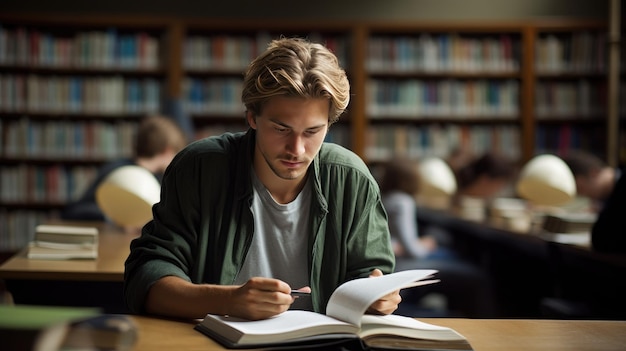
[(280, 130), (312, 132)]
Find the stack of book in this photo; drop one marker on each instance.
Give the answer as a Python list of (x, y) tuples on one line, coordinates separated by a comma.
[(568, 228), (61, 242)]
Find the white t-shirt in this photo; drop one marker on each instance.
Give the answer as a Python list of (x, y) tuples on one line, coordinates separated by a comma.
[(279, 246)]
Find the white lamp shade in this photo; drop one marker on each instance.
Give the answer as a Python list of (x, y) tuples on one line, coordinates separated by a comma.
[(547, 180), (127, 194), (436, 179)]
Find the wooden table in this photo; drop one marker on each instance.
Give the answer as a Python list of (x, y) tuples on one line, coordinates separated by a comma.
[(113, 249), (73, 282), (483, 334)]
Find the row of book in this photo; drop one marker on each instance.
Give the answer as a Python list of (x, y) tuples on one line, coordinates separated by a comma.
[(385, 141), (88, 49), (559, 139), (104, 95), (571, 52), (17, 226), (220, 95), (234, 53), (414, 98), (44, 184), (444, 52), (62, 139), (580, 98)]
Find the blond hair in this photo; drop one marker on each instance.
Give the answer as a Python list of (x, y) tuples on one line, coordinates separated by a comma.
[(295, 67)]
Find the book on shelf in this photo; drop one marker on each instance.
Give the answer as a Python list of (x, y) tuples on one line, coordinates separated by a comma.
[(62, 242), (345, 321)]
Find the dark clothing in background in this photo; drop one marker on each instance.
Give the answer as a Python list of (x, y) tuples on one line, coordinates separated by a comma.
[(609, 231), (86, 208)]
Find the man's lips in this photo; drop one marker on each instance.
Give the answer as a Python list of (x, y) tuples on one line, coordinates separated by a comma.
[(291, 164)]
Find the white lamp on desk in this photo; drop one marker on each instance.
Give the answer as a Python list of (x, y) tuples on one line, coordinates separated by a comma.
[(127, 194), (547, 180), (437, 182)]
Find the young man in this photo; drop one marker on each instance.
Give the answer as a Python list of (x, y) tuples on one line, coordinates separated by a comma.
[(244, 218), (158, 139)]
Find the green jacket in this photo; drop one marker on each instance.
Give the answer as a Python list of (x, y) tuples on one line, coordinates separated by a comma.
[(203, 225)]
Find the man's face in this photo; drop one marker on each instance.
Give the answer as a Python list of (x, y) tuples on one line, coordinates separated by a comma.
[(290, 132)]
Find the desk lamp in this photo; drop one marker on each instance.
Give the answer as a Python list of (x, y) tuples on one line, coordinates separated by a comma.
[(437, 182), (546, 180), (127, 194)]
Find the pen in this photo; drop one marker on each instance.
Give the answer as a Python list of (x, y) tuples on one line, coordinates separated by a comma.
[(299, 293)]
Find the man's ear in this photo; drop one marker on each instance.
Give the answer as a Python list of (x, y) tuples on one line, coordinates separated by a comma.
[(251, 119)]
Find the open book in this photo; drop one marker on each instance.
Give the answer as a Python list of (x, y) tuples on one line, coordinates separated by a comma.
[(345, 319)]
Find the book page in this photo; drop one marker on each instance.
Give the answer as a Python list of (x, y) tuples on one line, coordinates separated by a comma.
[(405, 326), (350, 300), (61, 234), (47, 253), (66, 229)]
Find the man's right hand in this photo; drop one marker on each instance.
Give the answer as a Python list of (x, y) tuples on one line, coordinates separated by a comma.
[(260, 298)]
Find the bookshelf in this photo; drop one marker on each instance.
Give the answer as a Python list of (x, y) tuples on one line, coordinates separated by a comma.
[(417, 88), (217, 53), (431, 89), (71, 93), (570, 102)]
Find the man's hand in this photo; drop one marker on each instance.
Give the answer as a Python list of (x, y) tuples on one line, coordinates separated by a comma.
[(260, 298), (388, 303)]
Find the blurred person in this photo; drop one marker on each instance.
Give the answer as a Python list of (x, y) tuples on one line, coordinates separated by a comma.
[(605, 186), (594, 178), (157, 141), (399, 188), (464, 289), (484, 176)]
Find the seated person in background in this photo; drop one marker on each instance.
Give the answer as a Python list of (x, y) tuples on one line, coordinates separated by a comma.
[(594, 178), (465, 288), (246, 217), (484, 176), (607, 188), (399, 187), (157, 141)]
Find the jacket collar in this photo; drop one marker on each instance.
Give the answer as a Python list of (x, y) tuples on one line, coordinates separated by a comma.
[(244, 158)]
